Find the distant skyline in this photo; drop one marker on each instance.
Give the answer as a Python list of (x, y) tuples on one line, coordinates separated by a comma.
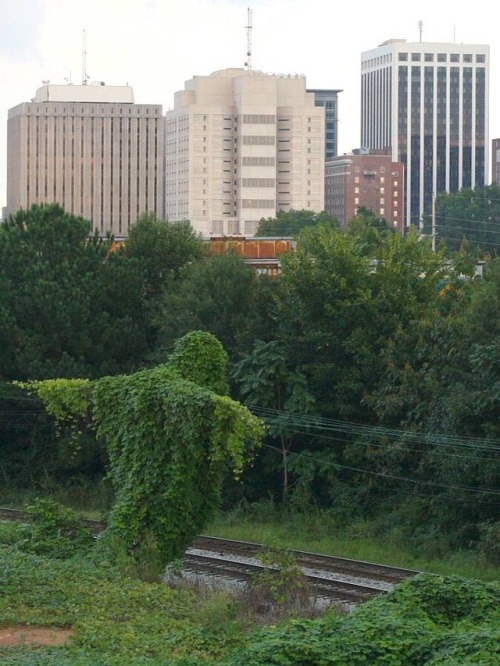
[(157, 45)]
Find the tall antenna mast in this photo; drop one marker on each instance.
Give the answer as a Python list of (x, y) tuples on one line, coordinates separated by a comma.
[(84, 59), (248, 63), (420, 26)]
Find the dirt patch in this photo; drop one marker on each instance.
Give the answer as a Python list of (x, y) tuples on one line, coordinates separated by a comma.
[(34, 636)]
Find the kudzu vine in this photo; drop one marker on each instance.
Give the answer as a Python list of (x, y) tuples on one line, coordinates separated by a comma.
[(171, 436)]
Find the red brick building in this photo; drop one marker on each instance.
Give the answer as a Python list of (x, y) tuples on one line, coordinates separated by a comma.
[(368, 180)]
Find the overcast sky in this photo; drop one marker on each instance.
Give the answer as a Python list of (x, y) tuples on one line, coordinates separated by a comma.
[(157, 45)]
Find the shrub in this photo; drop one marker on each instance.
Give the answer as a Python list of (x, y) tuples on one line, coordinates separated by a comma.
[(54, 530), (281, 590)]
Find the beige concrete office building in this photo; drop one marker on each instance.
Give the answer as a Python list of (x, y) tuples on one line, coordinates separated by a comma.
[(90, 149), (242, 145)]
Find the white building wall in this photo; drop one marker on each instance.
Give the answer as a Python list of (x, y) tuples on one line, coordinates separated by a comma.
[(92, 151), (255, 146)]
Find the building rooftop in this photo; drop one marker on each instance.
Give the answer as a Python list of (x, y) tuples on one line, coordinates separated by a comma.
[(94, 92)]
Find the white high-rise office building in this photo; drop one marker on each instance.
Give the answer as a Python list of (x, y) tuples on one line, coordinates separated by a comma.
[(90, 149), (240, 146), (427, 105)]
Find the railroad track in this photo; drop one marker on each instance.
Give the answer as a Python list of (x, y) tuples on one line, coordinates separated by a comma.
[(246, 573), (22, 516), (229, 562), (358, 568), (331, 578)]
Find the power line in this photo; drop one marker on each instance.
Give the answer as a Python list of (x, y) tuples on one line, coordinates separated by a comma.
[(468, 239), (467, 219), (329, 425), (358, 442), (458, 228), (393, 476)]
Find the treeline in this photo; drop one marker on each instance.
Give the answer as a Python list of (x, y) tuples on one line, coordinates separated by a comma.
[(374, 361)]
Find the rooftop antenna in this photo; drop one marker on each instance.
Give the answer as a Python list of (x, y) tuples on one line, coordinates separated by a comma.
[(248, 63), (420, 26), (84, 59)]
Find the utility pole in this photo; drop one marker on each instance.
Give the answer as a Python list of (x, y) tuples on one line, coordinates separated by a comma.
[(433, 226)]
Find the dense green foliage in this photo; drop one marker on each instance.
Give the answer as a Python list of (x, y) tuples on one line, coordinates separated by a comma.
[(162, 248), (272, 386), (393, 347), (200, 358), (221, 295), (171, 434), (428, 620), (62, 307), (373, 360), (170, 442), (470, 216), (53, 530), (290, 223), (117, 620)]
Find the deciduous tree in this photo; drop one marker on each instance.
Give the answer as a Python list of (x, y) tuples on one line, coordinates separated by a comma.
[(468, 216), (290, 223), (221, 295), (162, 248)]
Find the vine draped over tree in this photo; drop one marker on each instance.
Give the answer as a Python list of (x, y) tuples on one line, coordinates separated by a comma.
[(171, 438)]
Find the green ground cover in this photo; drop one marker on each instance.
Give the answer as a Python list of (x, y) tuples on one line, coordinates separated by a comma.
[(117, 619)]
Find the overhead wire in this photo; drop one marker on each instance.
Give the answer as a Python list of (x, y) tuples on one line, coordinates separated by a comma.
[(371, 444), (322, 423), (393, 476)]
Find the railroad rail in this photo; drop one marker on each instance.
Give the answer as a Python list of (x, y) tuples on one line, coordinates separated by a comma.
[(248, 572), (359, 568), (22, 516), (329, 577)]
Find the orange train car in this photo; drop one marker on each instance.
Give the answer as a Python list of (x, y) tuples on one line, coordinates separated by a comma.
[(262, 254)]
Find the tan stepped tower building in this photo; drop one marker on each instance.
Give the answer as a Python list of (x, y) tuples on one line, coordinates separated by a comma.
[(240, 146), (90, 149)]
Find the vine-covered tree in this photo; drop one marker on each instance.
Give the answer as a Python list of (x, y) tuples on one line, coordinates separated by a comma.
[(171, 437)]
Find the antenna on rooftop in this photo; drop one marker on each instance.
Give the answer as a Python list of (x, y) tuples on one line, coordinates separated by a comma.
[(420, 27), (248, 63), (84, 59)]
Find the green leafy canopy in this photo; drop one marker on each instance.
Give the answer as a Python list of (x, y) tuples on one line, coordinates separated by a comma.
[(171, 437)]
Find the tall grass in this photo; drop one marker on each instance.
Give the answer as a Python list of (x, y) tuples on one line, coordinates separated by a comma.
[(88, 499), (323, 532)]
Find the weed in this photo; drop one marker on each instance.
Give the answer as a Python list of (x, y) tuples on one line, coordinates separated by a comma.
[(281, 590), (54, 530)]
